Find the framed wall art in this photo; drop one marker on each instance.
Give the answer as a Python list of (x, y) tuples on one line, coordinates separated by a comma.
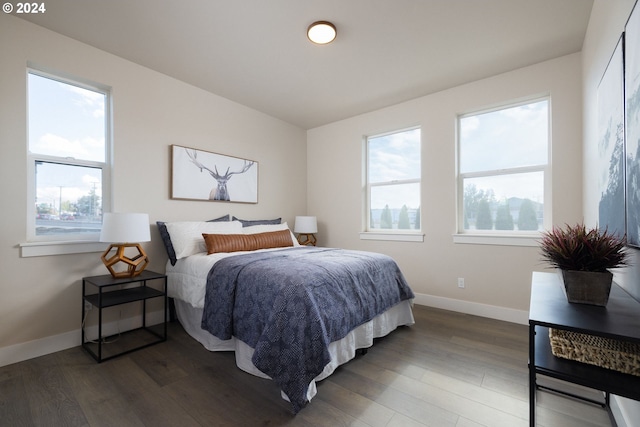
[(632, 125), (611, 169), (203, 175)]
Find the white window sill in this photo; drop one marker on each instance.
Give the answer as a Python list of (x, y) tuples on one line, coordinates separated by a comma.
[(33, 249), (398, 237), (502, 240)]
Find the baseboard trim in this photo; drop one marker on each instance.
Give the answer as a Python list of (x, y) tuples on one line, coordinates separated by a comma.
[(474, 308), (41, 347), (36, 348)]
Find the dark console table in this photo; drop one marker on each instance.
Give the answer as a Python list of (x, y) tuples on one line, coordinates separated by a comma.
[(620, 319)]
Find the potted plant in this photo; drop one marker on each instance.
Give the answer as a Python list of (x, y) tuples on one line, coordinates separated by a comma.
[(584, 256)]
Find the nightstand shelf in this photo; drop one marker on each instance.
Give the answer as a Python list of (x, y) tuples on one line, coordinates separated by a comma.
[(123, 296), (129, 290)]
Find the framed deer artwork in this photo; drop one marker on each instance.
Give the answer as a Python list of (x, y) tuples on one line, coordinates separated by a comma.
[(203, 175)]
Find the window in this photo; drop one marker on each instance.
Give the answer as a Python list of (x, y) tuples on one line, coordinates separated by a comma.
[(393, 182), (502, 164), (68, 128)]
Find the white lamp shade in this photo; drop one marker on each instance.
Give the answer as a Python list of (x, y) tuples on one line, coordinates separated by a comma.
[(306, 225), (125, 228)]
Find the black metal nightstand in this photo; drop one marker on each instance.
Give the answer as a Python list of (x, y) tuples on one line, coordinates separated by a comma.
[(113, 292), (619, 320)]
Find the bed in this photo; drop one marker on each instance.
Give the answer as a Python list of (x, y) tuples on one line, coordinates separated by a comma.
[(290, 313)]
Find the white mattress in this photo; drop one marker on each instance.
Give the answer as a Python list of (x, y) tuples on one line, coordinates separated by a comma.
[(187, 285)]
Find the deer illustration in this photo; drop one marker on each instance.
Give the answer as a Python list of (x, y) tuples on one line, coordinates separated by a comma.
[(220, 192)]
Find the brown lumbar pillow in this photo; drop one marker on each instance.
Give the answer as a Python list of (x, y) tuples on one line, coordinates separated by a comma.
[(247, 242)]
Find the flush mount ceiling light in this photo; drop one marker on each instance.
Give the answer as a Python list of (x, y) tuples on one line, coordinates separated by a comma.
[(321, 32)]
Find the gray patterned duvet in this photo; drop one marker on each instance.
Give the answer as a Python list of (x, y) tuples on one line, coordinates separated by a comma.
[(290, 304)]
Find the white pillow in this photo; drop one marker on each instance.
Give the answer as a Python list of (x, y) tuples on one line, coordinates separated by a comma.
[(265, 228), (186, 236)]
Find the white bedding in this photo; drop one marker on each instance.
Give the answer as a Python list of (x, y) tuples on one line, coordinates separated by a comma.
[(187, 280), (187, 285)]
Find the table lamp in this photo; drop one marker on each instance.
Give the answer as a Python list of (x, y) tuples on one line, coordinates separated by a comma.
[(306, 226), (120, 229)]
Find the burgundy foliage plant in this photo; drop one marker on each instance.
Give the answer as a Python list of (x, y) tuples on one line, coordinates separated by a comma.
[(579, 248)]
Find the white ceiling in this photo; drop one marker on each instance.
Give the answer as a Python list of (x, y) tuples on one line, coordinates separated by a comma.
[(255, 52)]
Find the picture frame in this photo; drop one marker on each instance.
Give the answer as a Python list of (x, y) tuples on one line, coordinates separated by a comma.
[(632, 126), (611, 147), (203, 175)]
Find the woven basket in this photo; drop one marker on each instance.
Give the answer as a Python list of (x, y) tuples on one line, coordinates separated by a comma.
[(622, 356)]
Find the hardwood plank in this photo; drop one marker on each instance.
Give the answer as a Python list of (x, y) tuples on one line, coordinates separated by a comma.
[(459, 397), (463, 422), (514, 387), (158, 365), (556, 410), (398, 400), (51, 397), (366, 410), (449, 369), (98, 395), (431, 355), (323, 414), (146, 399), (14, 403), (208, 397)]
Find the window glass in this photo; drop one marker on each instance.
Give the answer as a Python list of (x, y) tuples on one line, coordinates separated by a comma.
[(393, 181), (395, 156), (508, 138), (68, 199), (66, 120), (503, 157), (68, 170)]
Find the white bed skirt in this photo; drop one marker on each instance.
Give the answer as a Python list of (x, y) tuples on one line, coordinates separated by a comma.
[(341, 351)]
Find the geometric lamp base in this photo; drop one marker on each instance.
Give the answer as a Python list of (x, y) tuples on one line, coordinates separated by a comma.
[(307, 239), (132, 266)]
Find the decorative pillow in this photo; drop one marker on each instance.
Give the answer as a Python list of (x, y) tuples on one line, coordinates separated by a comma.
[(265, 228), (166, 238), (221, 219), (247, 242), (186, 237), (250, 222)]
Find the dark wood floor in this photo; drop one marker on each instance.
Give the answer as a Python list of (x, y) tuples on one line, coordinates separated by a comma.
[(449, 369)]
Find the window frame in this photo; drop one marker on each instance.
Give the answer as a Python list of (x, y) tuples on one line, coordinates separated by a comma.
[(368, 233), (504, 237), (38, 245)]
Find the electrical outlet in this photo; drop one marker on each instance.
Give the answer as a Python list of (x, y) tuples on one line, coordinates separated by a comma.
[(461, 282), (87, 305)]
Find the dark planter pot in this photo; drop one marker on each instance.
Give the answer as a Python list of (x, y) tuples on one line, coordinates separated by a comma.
[(587, 287)]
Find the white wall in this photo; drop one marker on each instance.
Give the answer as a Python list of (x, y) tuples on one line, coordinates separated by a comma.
[(608, 19), (41, 296), (497, 278)]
